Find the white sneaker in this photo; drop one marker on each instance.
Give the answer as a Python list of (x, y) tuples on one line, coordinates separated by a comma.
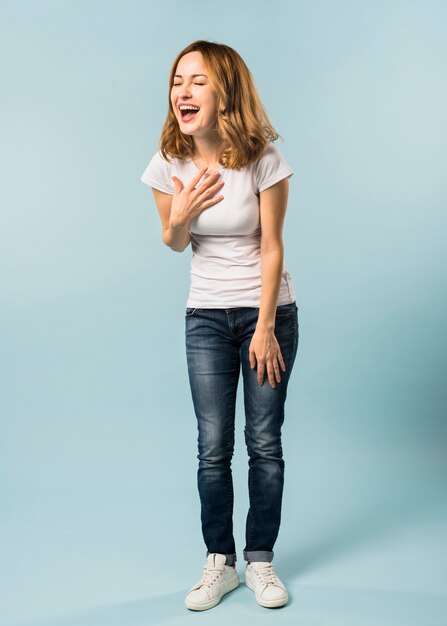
[(269, 590), (217, 580)]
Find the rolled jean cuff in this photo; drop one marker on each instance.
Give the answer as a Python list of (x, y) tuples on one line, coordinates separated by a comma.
[(230, 558), (259, 555)]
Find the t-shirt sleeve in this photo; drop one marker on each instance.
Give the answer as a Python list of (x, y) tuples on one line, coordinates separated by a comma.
[(158, 174), (271, 167)]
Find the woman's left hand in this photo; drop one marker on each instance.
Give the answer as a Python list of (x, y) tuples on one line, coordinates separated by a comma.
[(264, 351)]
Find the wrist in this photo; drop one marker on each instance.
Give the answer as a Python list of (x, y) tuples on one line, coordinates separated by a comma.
[(177, 225), (265, 324)]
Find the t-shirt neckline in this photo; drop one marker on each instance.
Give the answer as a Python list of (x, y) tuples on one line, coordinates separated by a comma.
[(198, 168)]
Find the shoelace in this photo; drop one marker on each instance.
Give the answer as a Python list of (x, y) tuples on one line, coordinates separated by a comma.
[(267, 575), (210, 576)]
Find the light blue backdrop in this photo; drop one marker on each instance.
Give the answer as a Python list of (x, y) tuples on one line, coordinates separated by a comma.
[(99, 508)]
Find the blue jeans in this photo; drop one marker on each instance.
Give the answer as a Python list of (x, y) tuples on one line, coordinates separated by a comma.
[(217, 342)]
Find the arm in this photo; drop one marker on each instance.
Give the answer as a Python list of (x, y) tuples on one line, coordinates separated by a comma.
[(176, 211), (264, 348), (177, 237)]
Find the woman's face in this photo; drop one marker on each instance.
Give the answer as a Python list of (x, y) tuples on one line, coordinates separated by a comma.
[(192, 85)]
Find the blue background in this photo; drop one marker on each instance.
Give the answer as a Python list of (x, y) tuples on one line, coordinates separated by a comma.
[(99, 507)]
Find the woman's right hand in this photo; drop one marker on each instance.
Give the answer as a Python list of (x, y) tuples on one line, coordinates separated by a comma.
[(188, 202)]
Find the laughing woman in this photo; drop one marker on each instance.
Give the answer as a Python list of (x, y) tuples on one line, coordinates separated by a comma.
[(221, 184)]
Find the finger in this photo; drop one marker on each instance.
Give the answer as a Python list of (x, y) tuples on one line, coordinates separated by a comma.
[(252, 359), (203, 195), (178, 185), (210, 185), (276, 368), (261, 371), (281, 361), (271, 374), (212, 202), (209, 191), (197, 177)]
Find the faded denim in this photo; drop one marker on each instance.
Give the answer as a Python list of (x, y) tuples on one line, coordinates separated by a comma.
[(217, 343)]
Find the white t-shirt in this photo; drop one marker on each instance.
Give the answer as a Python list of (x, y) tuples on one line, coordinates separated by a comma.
[(225, 238)]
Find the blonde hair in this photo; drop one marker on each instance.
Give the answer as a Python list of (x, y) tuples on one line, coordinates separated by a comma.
[(243, 126)]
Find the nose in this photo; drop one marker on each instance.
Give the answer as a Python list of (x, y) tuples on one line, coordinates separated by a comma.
[(185, 90)]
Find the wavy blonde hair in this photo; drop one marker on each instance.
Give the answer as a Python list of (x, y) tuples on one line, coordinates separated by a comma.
[(243, 126)]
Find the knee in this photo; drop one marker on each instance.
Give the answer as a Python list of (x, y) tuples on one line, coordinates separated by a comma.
[(215, 452), (264, 445)]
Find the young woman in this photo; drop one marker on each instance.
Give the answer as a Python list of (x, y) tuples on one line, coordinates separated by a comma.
[(221, 184)]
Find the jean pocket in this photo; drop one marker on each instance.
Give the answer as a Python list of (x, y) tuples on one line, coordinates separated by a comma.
[(286, 310), (190, 311)]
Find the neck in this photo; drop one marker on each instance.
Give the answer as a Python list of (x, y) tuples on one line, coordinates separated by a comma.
[(206, 150)]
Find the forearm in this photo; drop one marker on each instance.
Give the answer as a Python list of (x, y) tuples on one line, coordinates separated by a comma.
[(177, 237), (271, 272)]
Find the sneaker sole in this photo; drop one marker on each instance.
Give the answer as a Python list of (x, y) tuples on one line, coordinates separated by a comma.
[(268, 604), (214, 601)]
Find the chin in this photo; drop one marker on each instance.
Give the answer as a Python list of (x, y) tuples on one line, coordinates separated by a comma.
[(186, 131)]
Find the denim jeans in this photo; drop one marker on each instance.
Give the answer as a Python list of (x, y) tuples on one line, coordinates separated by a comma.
[(217, 343)]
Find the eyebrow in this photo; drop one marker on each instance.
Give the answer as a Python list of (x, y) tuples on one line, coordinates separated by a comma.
[(192, 75)]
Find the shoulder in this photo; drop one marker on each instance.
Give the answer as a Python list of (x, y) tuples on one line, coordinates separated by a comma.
[(158, 173), (271, 167), (159, 159), (270, 150)]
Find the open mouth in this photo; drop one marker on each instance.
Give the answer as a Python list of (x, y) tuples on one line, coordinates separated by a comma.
[(188, 111)]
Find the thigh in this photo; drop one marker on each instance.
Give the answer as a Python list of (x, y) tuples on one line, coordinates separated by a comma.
[(264, 405), (213, 362), (287, 334)]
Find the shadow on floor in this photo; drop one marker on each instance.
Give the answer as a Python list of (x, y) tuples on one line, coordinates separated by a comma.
[(381, 513), (150, 611)]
